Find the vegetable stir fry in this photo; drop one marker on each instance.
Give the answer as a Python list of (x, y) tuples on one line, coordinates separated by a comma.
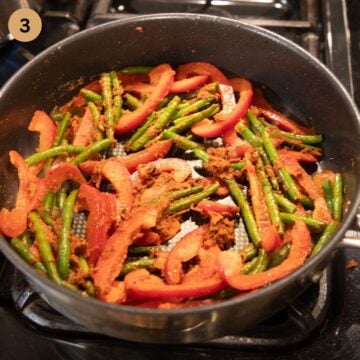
[(139, 153)]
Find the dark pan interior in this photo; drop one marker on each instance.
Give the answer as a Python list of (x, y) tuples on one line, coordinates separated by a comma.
[(303, 85)]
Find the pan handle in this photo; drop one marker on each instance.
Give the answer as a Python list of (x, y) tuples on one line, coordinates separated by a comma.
[(351, 239)]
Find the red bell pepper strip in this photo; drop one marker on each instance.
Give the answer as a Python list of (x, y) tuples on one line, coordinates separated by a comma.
[(116, 294), (231, 264), (111, 260), (207, 206), (149, 238), (116, 172), (86, 133), (130, 121), (321, 211), (151, 153), (60, 172), (132, 161), (290, 155), (201, 68), (276, 117), (141, 284), (43, 124), (177, 87), (208, 129), (270, 238), (184, 250), (102, 211), (190, 84), (14, 222)]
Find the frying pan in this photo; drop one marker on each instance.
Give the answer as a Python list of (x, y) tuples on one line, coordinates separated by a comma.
[(307, 88)]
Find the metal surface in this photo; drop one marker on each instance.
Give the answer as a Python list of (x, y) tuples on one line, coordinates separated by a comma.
[(53, 73)]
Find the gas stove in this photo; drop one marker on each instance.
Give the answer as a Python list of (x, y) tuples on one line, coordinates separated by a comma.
[(323, 323)]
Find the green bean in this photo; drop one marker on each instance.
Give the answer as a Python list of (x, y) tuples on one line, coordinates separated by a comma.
[(61, 129), (141, 130), (224, 294), (247, 134), (191, 108), (238, 166), (325, 237), (285, 203), (64, 248), (178, 194), (136, 70), (26, 238), (84, 266), (328, 194), (338, 197), (46, 217), (192, 199), (96, 116), (138, 250), (49, 200), (116, 90), (61, 197), (262, 262), (90, 95), (157, 126), (246, 211), (144, 262), (270, 201), (186, 122), (52, 152), (249, 266), (306, 139), (314, 224), (45, 248), (248, 252), (279, 255), (92, 150), (201, 154), (132, 102), (24, 251), (105, 83), (181, 141), (57, 116)]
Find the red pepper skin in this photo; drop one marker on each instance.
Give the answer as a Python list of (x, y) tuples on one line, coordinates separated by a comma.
[(140, 284), (43, 124), (230, 262), (208, 129), (111, 260), (130, 121), (237, 147), (270, 238), (149, 238), (184, 250), (117, 173), (102, 211), (201, 68), (60, 172), (207, 206), (14, 222), (86, 133)]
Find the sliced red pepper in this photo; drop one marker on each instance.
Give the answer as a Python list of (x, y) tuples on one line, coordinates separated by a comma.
[(189, 84), (112, 258), (201, 68), (116, 294), (102, 211), (237, 146), (132, 120), (231, 264), (60, 172), (141, 284), (151, 153), (86, 133), (276, 117), (208, 129), (289, 155), (149, 238), (270, 238), (184, 250), (115, 171), (43, 124), (207, 206), (14, 222), (321, 211)]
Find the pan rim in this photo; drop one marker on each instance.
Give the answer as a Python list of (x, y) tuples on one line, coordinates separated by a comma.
[(28, 271)]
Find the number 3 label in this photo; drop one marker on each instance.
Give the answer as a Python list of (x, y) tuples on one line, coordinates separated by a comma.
[(25, 25)]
